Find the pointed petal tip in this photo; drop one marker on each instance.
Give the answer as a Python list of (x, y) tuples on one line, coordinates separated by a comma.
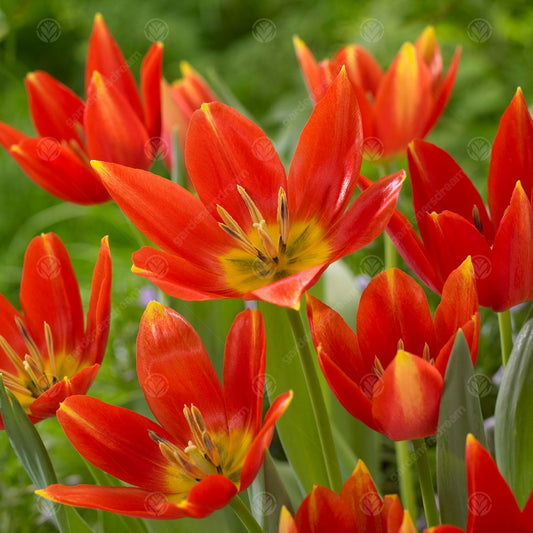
[(186, 68), (298, 43)]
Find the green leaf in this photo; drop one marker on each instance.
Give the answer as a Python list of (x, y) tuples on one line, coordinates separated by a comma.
[(30, 450), (460, 414), (296, 428), (513, 432)]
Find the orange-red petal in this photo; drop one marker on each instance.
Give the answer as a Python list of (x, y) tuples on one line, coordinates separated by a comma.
[(407, 403), (116, 440), (49, 293), (99, 313), (174, 370), (244, 371), (55, 109), (151, 75), (393, 307), (114, 132), (317, 85), (326, 163), (224, 149), (512, 156), (11, 333), (104, 56)]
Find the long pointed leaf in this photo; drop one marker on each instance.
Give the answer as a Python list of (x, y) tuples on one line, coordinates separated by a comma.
[(460, 414), (513, 432), (30, 450)]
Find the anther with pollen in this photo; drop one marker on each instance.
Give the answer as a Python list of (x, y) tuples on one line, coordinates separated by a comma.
[(477, 219), (271, 251)]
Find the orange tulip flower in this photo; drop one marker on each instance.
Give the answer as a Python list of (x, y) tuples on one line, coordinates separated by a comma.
[(358, 507), (454, 222), (252, 232), (492, 507), (113, 123), (210, 444), (46, 353), (390, 375), (397, 106)]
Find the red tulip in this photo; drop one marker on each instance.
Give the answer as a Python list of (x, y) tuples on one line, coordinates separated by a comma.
[(390, 375), (492, 507), (210, 443), (113, 124), (252, 232), (397, 106), (358, 507), (180, 100), (46, 353), (454, 223)]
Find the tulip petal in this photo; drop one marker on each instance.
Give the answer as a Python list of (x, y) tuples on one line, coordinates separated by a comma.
[(443, 94), (99, 313), (49, 293), (48, 402), (169, 215), (58, 170), (429, 49), (225, 149), (367, 216), (256, 453), (395, 305), (286, 522), (10, 136), (244, 372), (450, 239), (335, 338), (104, 56), (458, 307), (114, 132), (407, 403), (445, 529), (317, 85), (512, 156), (512, 254), (326, 163), (403, 101), (323, 506), (180, 278), (151, 74), (126, 501), (55, 109), (116, 440), (360, 493), (491, 504), (174, 370), (11, 333), (439, 184)]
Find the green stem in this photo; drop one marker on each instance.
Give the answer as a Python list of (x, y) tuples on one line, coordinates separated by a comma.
[(405, 478), (245, 515), (391, 254), (175, 148), (317, 400), (506, 335), (426, 483)]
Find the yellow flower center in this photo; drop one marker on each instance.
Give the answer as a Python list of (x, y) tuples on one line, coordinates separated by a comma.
[(269, 252), (205, 453), (36, 374)]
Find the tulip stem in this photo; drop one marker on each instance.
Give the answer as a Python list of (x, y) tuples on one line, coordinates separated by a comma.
[(245, 515), (426, 483), (391, 255), (320, 411), (405, 477), (506, 335)]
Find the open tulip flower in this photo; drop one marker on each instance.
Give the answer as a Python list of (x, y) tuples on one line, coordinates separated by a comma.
[(252, 232), (398, 105), (179, 100), (358, 507), (492, 507), (46, 354), (113, 124), (454, 222), (210, 443), (390, 376)]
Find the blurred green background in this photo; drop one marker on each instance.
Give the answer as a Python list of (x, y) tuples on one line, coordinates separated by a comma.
[(257, 66)]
